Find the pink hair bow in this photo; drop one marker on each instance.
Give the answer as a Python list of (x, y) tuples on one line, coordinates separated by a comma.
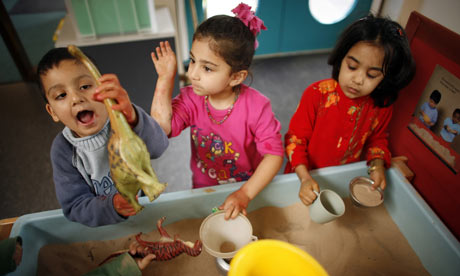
[(254, 23)]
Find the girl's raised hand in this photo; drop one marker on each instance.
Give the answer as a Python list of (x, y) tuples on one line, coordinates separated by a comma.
[(110, 88), (306, 193), (235, 203), (164, 60)]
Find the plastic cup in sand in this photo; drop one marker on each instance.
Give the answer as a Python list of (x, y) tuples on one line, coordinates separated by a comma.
[(223, 238)]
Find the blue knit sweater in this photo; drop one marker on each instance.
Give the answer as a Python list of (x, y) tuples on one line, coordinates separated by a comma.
[(81, 170)]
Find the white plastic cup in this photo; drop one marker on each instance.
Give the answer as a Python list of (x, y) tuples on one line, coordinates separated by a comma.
[(217, 233), (327, 206)]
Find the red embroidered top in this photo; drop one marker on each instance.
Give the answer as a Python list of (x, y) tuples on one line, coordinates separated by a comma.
[(329, 129)]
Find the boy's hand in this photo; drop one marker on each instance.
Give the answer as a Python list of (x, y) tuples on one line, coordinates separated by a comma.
[(122, 206), (235, 203), (306, 192), (110, 88), (164, 61), (137, 249)]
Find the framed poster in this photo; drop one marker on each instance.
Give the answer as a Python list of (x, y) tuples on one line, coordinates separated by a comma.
[(436, 118)]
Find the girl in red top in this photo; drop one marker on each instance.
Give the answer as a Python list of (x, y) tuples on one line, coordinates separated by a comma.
[(344, 119)]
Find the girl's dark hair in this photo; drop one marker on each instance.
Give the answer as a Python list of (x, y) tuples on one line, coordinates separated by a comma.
[(51, 59), (398, 63), (229, 38)]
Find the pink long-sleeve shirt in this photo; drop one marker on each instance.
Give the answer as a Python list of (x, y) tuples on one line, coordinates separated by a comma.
[(231, 151)]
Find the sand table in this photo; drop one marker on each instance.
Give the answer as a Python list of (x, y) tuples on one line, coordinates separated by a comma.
[(364, 241)]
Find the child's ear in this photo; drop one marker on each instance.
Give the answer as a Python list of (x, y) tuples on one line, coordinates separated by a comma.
[(51, 113), (238, 77)]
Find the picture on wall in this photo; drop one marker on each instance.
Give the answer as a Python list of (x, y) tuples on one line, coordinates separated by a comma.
[(436, 119)]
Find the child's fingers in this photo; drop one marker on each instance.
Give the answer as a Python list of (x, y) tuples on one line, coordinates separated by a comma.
[(235, 212), (154, 57), (232, 211), (122, 104), (164, 47), (106, 90), (144, 262), (383, 185), (168, 46), (228, 213), (126, 213), (130, 212), (133, 248), (380, 183), (378, 176), (160, 51), (122, 206), (136, 249), (307, 196), (109, 78), (307, 200), (112, 91)]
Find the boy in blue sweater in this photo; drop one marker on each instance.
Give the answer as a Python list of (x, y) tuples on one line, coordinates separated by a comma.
[(428, 113), (79, 154), (451, 127)]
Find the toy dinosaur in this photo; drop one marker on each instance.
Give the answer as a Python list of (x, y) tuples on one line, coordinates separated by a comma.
[(165, 249), (129, 158)]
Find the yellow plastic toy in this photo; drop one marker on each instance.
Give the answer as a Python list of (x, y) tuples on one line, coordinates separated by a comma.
[(273, 258)]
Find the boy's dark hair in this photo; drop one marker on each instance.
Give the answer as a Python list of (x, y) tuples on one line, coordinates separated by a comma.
[(230, 39), (456, 111), (435, 96), (51, 59), (398, 63)]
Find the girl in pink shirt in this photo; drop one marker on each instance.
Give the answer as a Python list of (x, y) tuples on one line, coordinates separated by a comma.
[(235, 136)]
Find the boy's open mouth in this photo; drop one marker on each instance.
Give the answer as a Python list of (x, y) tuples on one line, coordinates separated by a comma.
[(85, 116)]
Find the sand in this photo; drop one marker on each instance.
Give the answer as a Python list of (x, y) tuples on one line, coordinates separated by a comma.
[(366, 196), (364, 241)]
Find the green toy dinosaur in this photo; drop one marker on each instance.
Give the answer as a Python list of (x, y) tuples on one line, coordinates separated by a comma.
[(129, 159)]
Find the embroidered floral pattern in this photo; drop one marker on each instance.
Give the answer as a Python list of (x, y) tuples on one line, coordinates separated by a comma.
[(327, 86), (375, 123), (332, 99), (377, 152), (339, 143), (352, 110), (364, 138), (293, 142), (357, 154)]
